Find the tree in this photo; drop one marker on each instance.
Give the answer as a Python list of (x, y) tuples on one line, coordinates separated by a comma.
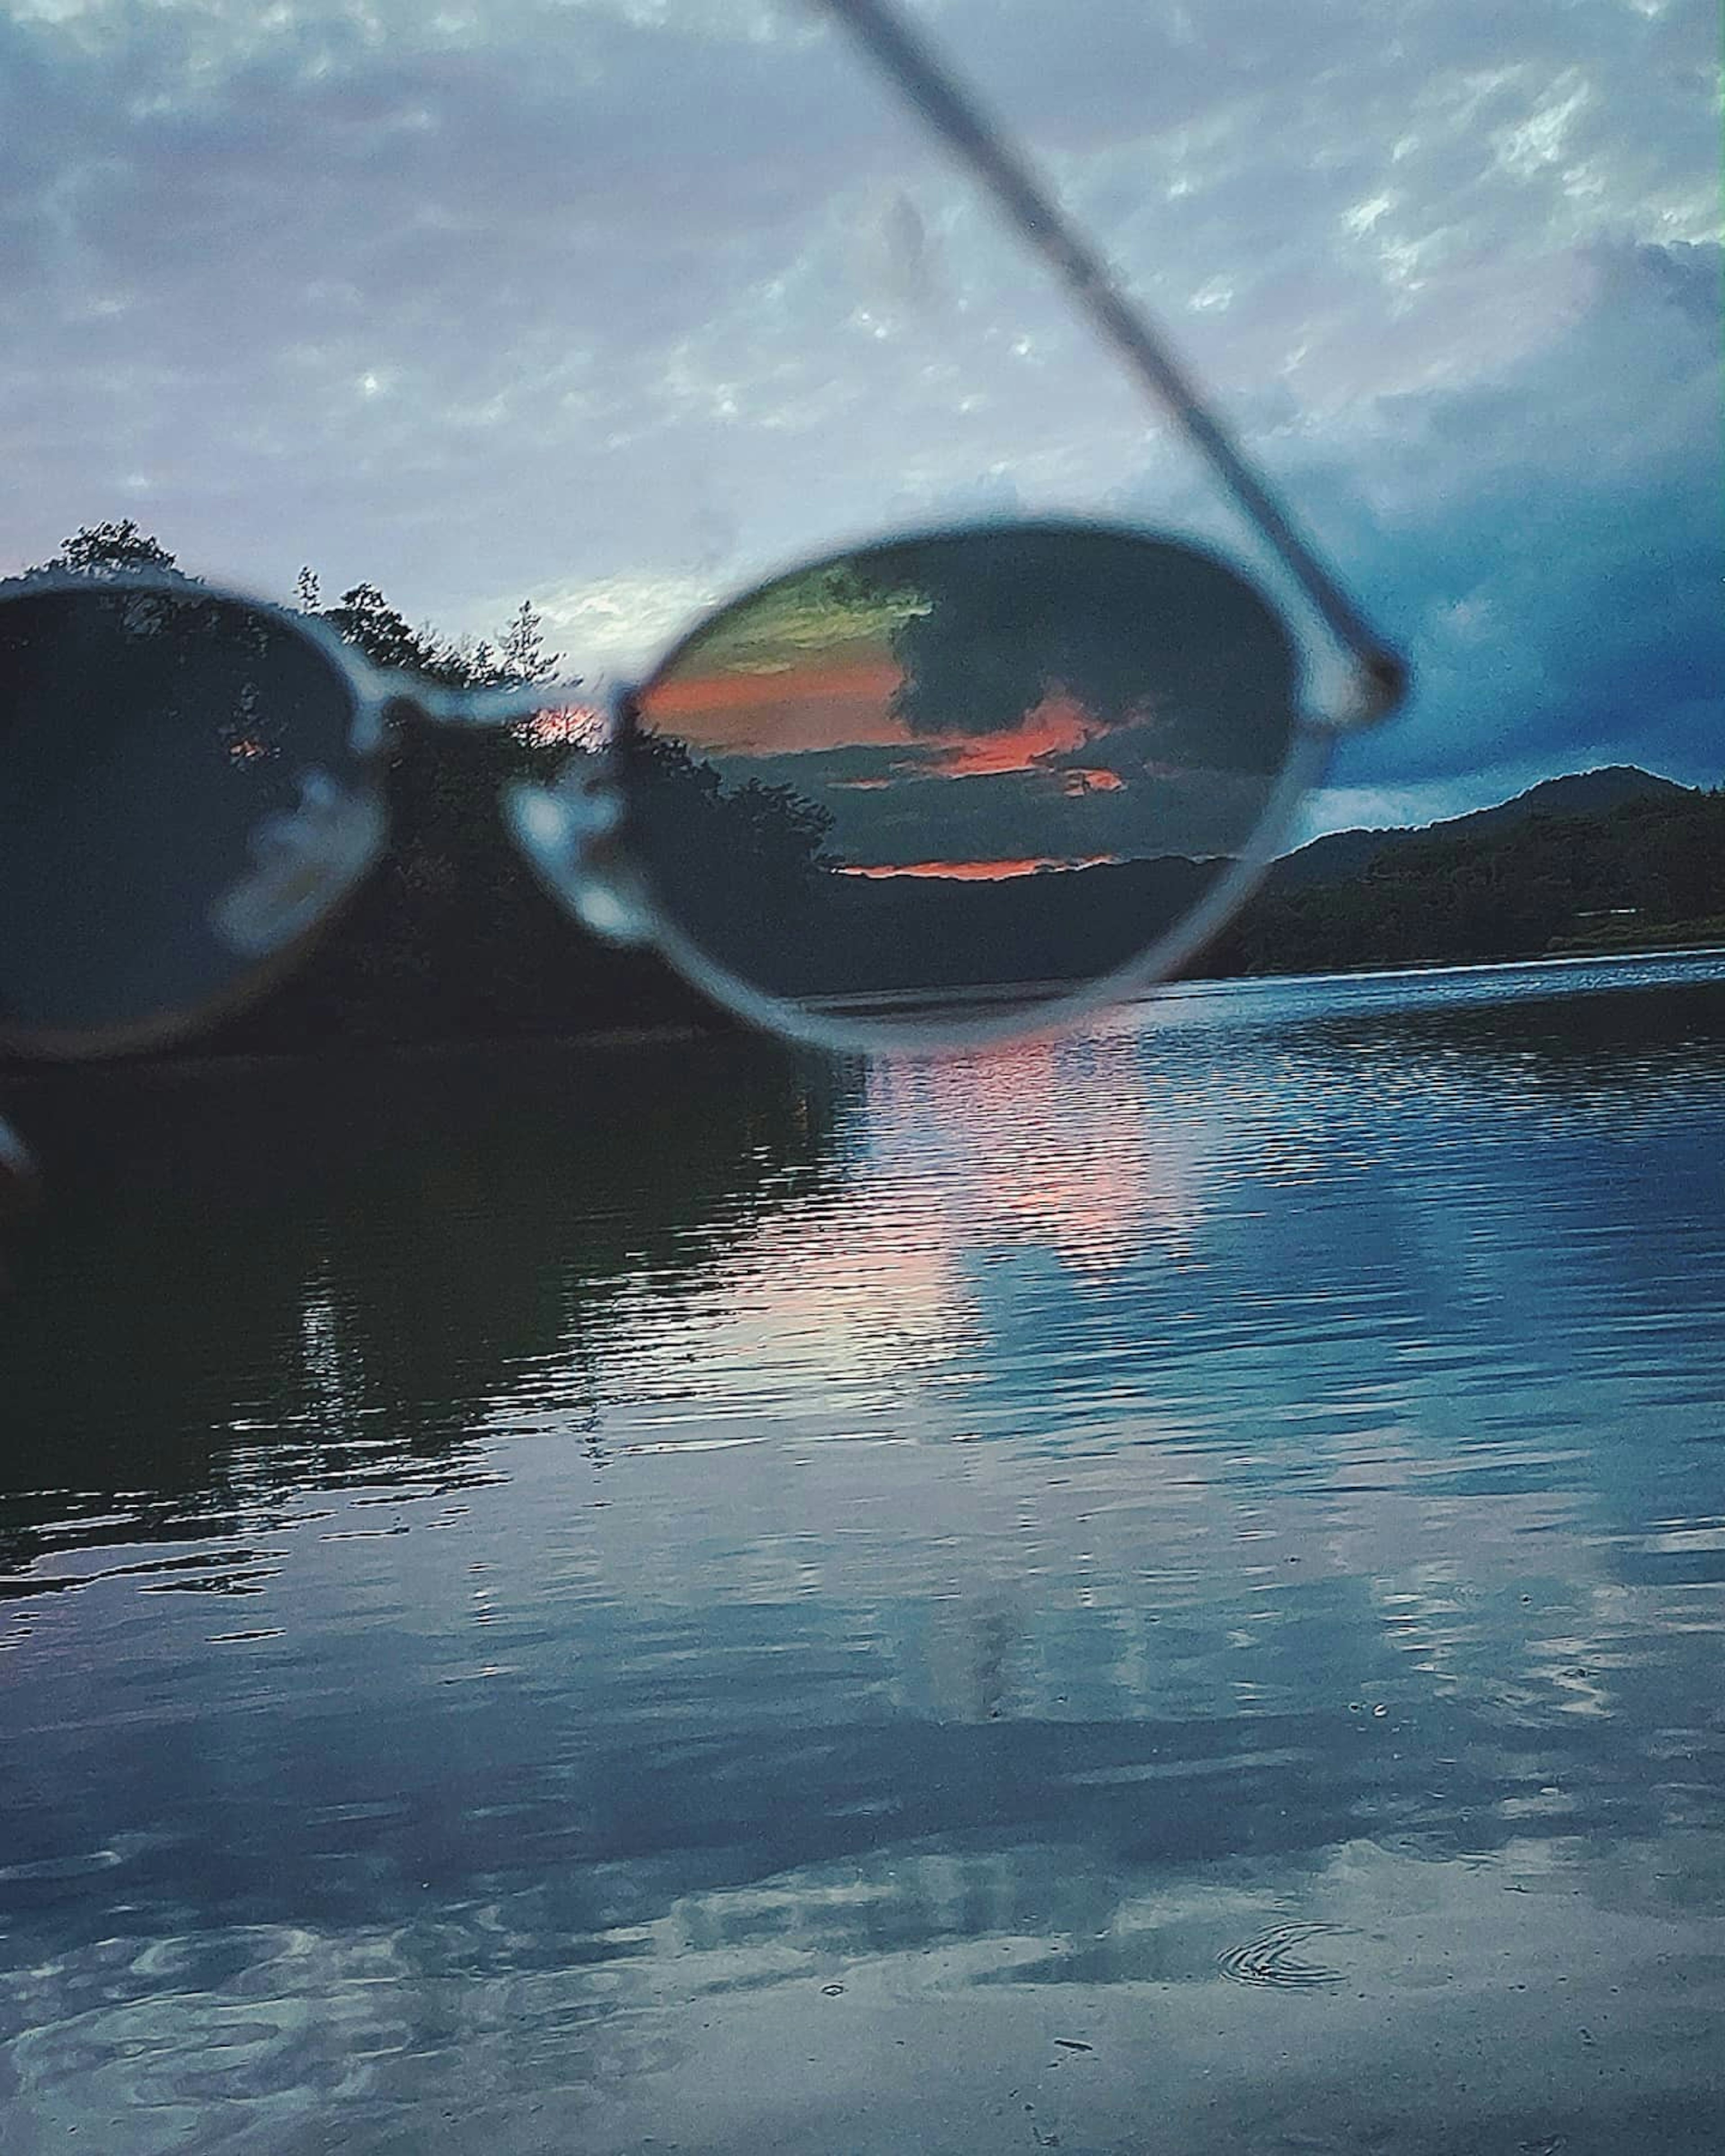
[(363, 616), (110, 549), (451, 934), (521, 655)]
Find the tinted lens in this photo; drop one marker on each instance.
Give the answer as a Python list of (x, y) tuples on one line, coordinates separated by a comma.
[(179, 799), (974, 770)]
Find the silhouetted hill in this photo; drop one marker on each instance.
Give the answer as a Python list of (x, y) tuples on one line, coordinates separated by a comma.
[(1518, 882), (1581, 793), (451, 938)]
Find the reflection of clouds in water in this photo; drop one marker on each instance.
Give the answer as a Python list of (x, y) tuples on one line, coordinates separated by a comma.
[(873, 1309), (1342, 1623), (1276, 1425), (835, 1322), (265, 2027), (1542, 1968), (1049, 1144), (976, 1974)]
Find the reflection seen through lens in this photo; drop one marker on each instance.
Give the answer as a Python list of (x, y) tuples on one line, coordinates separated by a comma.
[(179, 798), (978, 767)]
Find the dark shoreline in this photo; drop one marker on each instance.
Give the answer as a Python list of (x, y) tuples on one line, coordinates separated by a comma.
[(188, 1058), (35, 1072)]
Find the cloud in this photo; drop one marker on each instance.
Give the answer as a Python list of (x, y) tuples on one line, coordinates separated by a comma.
[(1548, 543), (578, 299)]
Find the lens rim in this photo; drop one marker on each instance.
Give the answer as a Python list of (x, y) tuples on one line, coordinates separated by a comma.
[(1312, 737), (369, 692), (375, 695)]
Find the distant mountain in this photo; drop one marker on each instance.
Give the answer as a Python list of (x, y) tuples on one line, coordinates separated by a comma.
[(451, 938), (1613, 859), (1347, 854)]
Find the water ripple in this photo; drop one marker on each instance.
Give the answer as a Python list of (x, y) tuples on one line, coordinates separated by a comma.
[(1274, 1958)]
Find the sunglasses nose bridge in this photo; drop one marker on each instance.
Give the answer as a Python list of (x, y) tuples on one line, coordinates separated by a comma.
[(569, 834)]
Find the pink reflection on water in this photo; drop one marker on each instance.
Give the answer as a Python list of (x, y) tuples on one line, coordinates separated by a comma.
[(1051, 1143)]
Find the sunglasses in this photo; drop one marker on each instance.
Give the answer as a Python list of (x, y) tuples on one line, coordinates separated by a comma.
[(926, 791)]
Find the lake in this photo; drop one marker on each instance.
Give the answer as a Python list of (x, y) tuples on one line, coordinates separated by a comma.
[(1159, 1593)]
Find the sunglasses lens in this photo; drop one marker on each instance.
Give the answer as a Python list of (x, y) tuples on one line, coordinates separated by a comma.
[(179, 800), (961, 774)]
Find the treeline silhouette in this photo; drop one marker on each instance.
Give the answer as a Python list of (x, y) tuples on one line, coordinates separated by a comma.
[(1528, 880), (450, 937)]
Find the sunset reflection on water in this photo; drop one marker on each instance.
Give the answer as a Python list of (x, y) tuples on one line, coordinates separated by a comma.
[(1165, 1586)]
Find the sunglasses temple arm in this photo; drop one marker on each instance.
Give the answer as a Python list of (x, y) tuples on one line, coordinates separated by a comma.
[(924, 78)]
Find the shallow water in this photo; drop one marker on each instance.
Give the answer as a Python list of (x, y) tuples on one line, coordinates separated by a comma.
[(1160, 1593)]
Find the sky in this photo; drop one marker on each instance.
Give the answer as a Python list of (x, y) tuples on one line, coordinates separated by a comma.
[(619, 304)]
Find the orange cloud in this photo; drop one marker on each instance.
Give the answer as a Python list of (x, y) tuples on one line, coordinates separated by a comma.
[(819, 706), (848, 704), (1088, 778), (1055, 727)]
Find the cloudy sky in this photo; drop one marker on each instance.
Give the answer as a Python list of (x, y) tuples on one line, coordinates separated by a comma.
[(617, 303)]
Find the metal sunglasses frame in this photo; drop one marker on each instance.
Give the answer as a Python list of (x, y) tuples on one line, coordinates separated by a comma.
[(575, 833)]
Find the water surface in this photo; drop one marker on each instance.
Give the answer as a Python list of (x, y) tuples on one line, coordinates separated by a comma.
[(1160, 1593)]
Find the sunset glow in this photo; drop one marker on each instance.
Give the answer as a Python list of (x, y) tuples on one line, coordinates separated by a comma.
[(980, 871), (809, 708), (1086, 779), (568, 725), (803, 707)]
